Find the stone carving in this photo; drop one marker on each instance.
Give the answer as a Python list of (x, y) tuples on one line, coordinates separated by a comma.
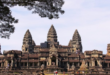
[(73, 67), (42, 66), (99, 63), (83, 66)]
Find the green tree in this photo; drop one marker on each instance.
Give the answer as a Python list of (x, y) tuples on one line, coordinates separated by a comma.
[(44, 8)]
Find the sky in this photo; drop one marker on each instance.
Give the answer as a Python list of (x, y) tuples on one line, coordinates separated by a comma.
[(90, 17)]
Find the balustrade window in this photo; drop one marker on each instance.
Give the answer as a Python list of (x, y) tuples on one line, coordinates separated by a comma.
[(30, 64), (70, 65), (25, 64), (35, 64), (21, 64), (87, 63), (26, 49)]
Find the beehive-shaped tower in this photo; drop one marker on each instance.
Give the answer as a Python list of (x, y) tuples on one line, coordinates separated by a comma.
[(52, 37), (75, 43), (28, 43)]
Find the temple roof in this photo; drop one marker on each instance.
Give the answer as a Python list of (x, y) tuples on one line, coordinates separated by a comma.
[(107, 57), (12, 52), (33, 55), (73, 55), (93, 51)]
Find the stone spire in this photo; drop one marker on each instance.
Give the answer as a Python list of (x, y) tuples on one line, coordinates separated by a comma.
[(52, 35), (75, 43), (27, 42), (28, 34), (76, 36)]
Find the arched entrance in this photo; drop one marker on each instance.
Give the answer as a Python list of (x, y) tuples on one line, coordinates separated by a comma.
[(53, 59)]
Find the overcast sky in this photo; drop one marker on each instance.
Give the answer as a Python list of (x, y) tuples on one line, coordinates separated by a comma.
[(90, 17)]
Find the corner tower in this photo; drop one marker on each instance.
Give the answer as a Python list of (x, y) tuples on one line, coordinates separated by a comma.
[(52, 36), (27, 46), (75, 43)]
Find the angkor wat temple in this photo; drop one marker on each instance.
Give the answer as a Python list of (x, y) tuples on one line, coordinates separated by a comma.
[(50, 56)]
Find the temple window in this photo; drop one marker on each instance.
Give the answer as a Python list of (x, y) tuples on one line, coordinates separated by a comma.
[(25, 64), (87, 63), (21, 64), (109, 64), (26, 49), (70, 65), (30, 64), (75, 64), (35, 64), (96, 63), (80, 64)]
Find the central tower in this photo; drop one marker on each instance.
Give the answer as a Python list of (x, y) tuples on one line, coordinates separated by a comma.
[(52, 37)]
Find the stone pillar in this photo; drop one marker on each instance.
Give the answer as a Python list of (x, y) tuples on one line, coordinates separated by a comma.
[(78, 64), (49, 61), (38, 64), (93, 63), (11, 63), (108, 65), (68, 65), (27, 64), (2, 64), (33, 64), (56, 61), (87, 64), (73, 67), (90, 64)]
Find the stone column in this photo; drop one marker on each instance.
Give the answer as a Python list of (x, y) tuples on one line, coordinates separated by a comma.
[(38, 64), (108, 65), (78, 64), (49, 61), (90, 64), (73, 66), (27, 64), (93, 63), (87, 64), (68, 65), (2, 64), (11, 63), (33, 64), (56, 61)]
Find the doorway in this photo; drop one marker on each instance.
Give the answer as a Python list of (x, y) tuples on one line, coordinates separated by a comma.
[(53, 60)]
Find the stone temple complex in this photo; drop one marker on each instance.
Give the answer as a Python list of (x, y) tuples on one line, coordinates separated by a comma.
[(51, 56)]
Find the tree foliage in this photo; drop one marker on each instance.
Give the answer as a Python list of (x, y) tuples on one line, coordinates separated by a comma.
[(44, 8)]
